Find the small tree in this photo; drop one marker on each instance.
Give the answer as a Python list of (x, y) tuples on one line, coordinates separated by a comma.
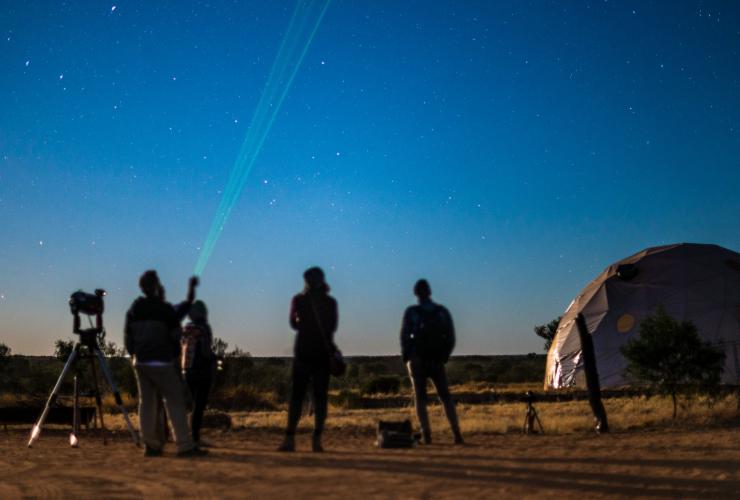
[(109, 348), (220, 347), (4, 355), (548, 331), (670, 356), (63, 348)]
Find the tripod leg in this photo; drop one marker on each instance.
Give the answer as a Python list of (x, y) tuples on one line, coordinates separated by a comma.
[(36, 431), (73, 441), (537, 419), (119, 402), (98, 399)]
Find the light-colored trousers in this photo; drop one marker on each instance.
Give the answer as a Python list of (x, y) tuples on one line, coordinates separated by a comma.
[(157, 382)]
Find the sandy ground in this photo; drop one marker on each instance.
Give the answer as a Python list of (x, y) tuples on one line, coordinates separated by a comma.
[(666, 464)]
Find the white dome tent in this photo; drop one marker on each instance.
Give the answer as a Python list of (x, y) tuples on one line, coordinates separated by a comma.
[(695, 282)]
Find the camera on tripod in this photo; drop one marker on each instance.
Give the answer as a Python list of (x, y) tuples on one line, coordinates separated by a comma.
[(532, 423), (90, 304), (87, 303)]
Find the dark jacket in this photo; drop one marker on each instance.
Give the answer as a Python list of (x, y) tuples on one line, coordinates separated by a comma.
[(411, 322), (310, 343), (152, 331)]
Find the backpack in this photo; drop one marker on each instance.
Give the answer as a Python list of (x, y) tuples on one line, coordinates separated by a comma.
[(396, 435), (195, 348), (434, 338)]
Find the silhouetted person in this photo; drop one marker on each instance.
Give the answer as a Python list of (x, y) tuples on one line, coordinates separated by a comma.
[(427, 340), (152, 338), (197, 363), (181, 311), (313, 314)]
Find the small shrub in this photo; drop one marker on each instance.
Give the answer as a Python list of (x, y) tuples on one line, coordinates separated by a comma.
[(353, 370), (346, 399), (216, 420), (243, 397), (386, 384), (371, 369)]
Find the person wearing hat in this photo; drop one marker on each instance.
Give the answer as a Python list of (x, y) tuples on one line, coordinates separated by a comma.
[(197, 362), (314, 317)]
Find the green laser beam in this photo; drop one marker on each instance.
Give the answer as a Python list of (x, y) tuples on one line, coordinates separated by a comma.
[(284, 69)]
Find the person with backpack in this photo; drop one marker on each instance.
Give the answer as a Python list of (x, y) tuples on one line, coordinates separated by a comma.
[(313, 314), (197, 364), (427, 341)]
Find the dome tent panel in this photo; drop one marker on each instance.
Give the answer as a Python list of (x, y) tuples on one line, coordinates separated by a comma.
[(694, 282)]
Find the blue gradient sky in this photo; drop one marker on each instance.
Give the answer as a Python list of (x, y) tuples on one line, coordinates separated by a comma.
[(507, 151)]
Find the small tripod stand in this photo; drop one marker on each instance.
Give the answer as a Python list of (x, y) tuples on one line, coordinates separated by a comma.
[(88, 341), (531, 419)]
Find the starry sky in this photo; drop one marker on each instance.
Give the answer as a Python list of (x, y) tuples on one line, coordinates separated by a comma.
[(506, 151)]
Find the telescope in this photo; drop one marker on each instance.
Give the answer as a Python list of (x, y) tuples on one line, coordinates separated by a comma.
[(90, 304)]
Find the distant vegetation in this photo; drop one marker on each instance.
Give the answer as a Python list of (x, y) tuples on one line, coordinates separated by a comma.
[(246, 382)]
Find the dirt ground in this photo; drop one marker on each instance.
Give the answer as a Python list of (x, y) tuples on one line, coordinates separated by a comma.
[(667, 464)]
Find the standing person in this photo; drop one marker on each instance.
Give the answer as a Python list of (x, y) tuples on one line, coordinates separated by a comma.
[(313, 314), (152, 338), (427, 340), (197, 362)]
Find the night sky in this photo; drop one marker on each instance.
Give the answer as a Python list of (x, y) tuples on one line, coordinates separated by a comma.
[(506, 151)]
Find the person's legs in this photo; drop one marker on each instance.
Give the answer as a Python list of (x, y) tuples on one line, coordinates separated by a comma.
[(439, 378), (320, 378), (148, 408), (173, 392), (200, 387), (162, 429), (419, 383), (299, 384), (300, 376)]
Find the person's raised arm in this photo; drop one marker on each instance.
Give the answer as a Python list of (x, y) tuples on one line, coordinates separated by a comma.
[(183, 308), (192, 285)]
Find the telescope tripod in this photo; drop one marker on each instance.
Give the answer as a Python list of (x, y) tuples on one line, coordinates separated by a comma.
[(88, 339), (532, 421)]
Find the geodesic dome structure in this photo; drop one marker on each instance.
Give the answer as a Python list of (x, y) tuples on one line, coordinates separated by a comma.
[(695, 282)]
